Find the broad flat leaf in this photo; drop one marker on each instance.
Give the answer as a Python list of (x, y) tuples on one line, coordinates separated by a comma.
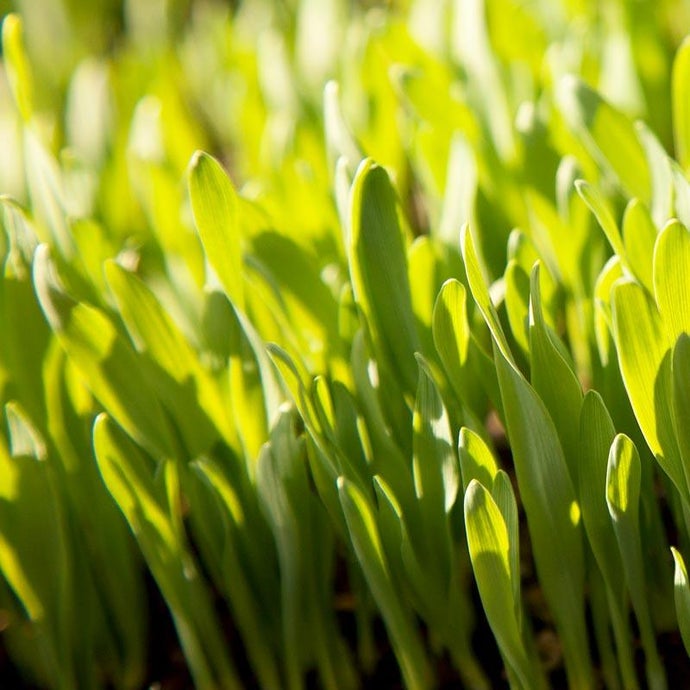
[(681, 103), (215, 207), (681, 588), (378, 267), (608, 134), (366, 542), (623, 477), (430, 265), (487, 539)]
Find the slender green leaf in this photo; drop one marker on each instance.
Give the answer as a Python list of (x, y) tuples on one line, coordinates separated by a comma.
[(681, 103), (623, 477), (378, 267), (608, 134), (105, 360), (17, 65), (487, 539), (366, 542), (681, 588), (215, 207)]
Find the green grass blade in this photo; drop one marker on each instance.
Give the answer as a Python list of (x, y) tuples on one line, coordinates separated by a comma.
[(489, 546), (681, 104), (681, 588), (378, 267), (366, 542), (215, 207), (623, 477), (608, 134)]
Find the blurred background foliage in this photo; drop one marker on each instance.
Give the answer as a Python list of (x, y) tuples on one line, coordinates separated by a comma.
[(459, 101)]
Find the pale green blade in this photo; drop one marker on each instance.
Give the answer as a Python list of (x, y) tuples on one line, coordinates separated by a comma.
[(107, 363), (609, 136), (129, 478), (681, 588), (681, 104), (645, 363), (639, 237), (487, 539), (672, 278), (623, 478), (17, 65), (215, 207), (476, 459), (366, 542)]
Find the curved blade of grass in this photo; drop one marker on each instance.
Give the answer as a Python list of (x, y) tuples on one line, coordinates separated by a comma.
[(554, 380), (178, 376), (639, 236), (233, 578), (378, 267), (608, 134), (17, 65), (480, 293), (601, 208), (597, 433), (681, 588), (645, 363), (215, 208), (623, 477), (105, 360), (680, 93), (129, 478), (452, 340), (680, 367), (545, 486), (672, 278), (489, 546), (476, 459), (366, 542)]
